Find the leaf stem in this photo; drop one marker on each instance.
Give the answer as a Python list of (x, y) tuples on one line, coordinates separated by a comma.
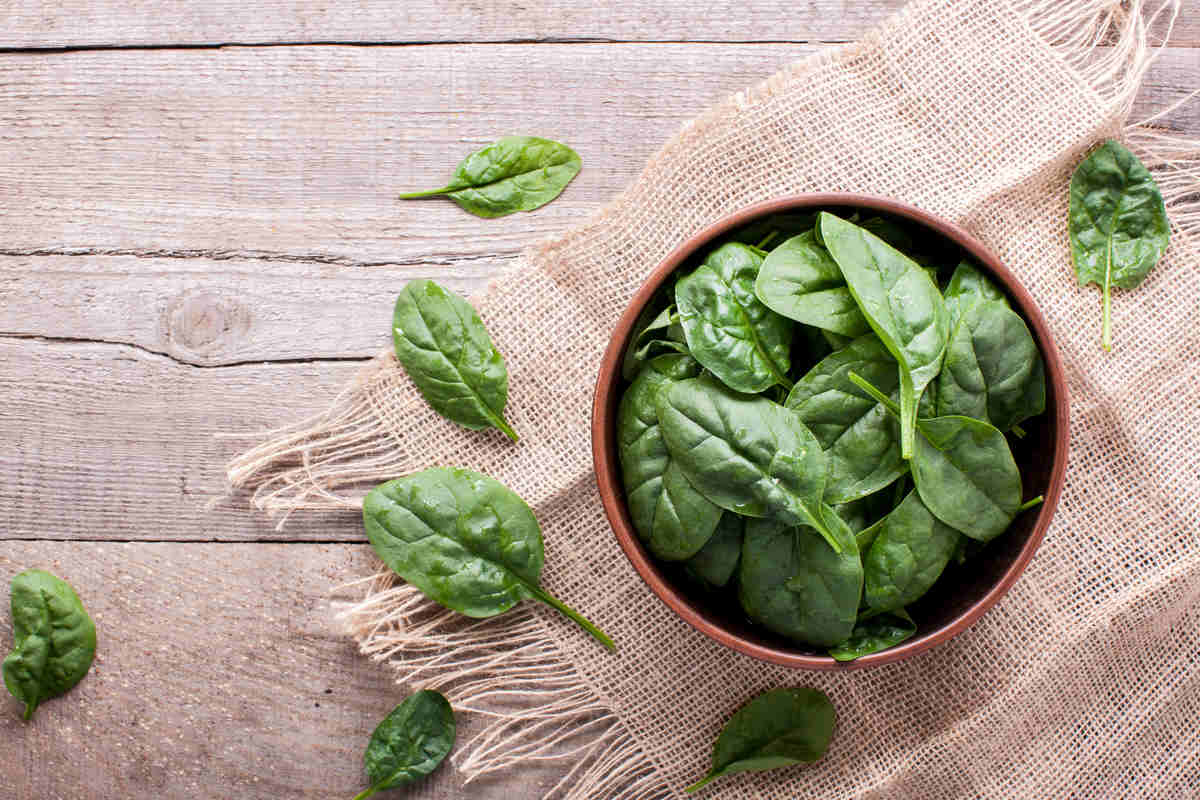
[(1028, 504), (504, 427), (770, 237), (416, 196), (29, 709), (574, 616), (1018, 431), (365, 793), (700, 784), (876, 395), (1106, 332)]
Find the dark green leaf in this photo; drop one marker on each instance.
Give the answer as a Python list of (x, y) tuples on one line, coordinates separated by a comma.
[(410, 743), (54, 639), (901, 303), (970, 285), (716, 562), (746, 454), (790, 582), (799, 280), (908, 555), (464, 539), (650, 327), (728, 330), (860, 439), (447, 352), (516, 173), (874, 635), (1118, 223), (778, 728), (993, 369), (672, 518)]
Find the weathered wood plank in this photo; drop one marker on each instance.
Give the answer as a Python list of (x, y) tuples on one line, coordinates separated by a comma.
[(220, 672), (297, 153), (75, 23), (110, 442), (29, 23)]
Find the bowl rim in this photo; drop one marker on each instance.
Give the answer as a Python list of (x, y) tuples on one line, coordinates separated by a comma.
[(607, 466)]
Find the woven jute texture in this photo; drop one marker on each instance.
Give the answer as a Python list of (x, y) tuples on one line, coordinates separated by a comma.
[(1084, 681)]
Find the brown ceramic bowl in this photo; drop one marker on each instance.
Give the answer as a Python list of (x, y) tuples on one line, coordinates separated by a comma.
[(963, 594)]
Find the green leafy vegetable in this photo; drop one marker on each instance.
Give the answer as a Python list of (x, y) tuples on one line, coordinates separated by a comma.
[(410, 743), (717, 561), (970, 285), (1117, 222), (516, 173), (875, 635), (908, 555), (778, 728), (54, 639), (649, 331), (746, 454), (671, 517), (993, 369), (465, 540), (790, 582), (728, 330), (447, 352), (800, 281), (901, 303)]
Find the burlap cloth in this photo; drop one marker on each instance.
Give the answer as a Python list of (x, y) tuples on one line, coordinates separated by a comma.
[(1084, 681)]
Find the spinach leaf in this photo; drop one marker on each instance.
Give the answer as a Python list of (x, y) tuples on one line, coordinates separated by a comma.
[(54, 639), (963, 471), (790, 582), (993, 369), (778, 728), (970, 285), (908, 555), (410, 743), (876, 634), (465, 540), (799, 280), (901, 303), (648, 332), (746, 454), (867, 536), (447, 352), (728, 330), (672, 518), (836, 340), (1117, 222), (716, 562), (861, 441), (516, 173)]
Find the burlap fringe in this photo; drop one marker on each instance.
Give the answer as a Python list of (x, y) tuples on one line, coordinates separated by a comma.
[(495, 667)]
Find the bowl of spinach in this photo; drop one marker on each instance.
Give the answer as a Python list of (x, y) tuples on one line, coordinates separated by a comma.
[(830, 430)]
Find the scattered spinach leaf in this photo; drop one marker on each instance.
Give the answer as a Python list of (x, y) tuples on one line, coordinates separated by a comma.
[(778, 728), (449, 355), (516, 173), (409, 743), (1117, 222), (54, 639), (465, 540)]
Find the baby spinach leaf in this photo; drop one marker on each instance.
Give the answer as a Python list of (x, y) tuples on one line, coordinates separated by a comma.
[(778, 728), (54, 639), (465, 540), (728, 330), (901, 303), (410, 743), (746, 454), (970, 285), (672, 518), (993, 369), (649, 332), (963, 470), (799, 280), (860, 439), (874, 635), (836, 340), (790, 582), (867, 536), (449, 355), (1117, 222), (516, 173), (716, 562), (908, 555)]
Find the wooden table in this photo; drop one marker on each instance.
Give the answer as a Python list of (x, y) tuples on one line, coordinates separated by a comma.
[(199, 235)]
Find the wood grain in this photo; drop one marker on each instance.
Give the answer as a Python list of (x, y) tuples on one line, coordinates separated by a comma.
[(76, 23), (298, 153), (220, 672)]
